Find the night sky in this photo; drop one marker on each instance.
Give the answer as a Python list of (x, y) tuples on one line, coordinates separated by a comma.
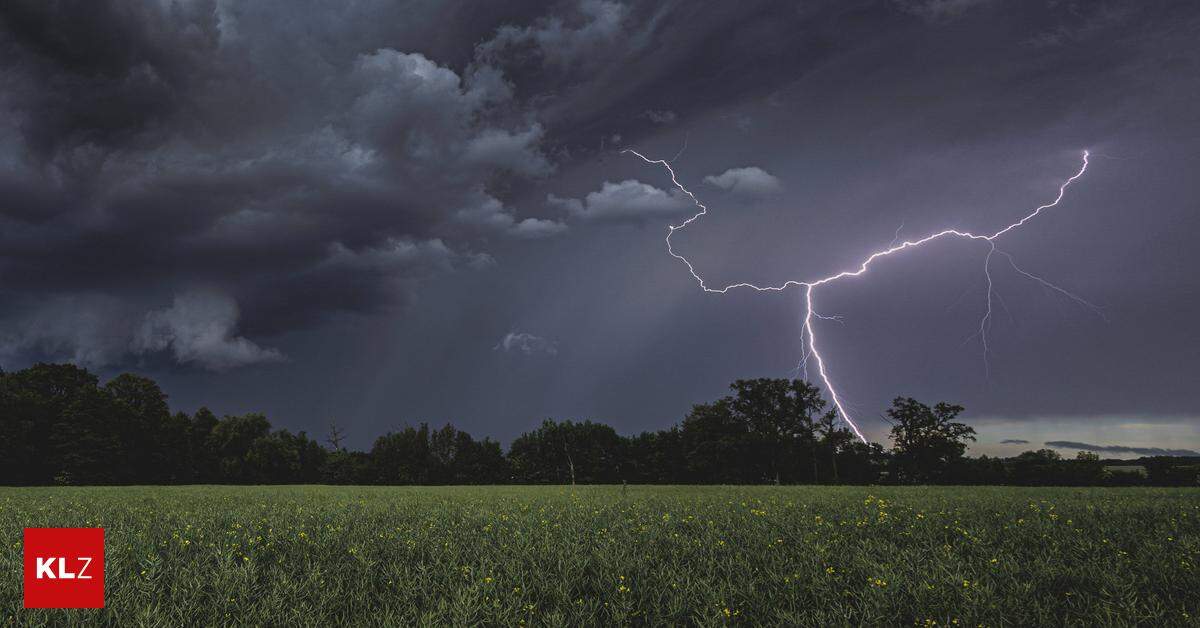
[(383, 213)]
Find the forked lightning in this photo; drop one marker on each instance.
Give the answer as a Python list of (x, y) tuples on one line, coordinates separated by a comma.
[(809, 332)]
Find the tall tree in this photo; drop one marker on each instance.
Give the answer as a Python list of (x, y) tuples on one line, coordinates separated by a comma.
[(764, 432), (84, 445), (834, 440), (926, 441), (203, 453), (32, 402), (141, 424), (568, 452), (402, 457), (656, 458), (231, 440), (718, 446)]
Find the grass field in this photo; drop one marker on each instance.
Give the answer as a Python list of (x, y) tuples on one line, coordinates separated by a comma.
[(645, 555)]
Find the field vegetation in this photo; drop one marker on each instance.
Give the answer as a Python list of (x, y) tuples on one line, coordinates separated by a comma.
[(612, 555)]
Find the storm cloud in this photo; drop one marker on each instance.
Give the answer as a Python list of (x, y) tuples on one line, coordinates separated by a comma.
[(190, 146), (366, 199)]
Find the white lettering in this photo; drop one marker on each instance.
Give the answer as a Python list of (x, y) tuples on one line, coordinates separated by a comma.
[(43, 568), (63, 574)]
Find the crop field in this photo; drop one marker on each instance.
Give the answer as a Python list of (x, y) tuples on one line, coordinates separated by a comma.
[(607, 555)]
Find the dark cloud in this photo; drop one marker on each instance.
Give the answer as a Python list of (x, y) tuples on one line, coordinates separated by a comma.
[(1121, 449), (199, 328), (490, 214), (186, 147), (575, 43), (1014, 441), (391, 187), (90, 329)]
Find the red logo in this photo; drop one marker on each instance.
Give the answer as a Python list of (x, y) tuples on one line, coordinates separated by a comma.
[(64, 567)]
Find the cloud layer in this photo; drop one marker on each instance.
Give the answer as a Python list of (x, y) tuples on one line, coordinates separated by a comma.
[(205, 150), (355, 184), (1121, 449)]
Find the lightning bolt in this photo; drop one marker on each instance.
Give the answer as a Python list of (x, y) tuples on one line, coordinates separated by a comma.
[(809, 335)]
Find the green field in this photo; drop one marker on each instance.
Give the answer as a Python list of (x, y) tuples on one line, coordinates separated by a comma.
[(606, 555)]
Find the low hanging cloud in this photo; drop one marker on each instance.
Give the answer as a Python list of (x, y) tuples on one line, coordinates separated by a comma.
[(88, 329), (526, 343), (1121, 449), (749, 181), (491, 215), (1014, 441), (628, 200), (200, 328)]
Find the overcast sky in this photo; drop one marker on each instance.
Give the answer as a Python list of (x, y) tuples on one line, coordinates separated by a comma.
[(384, 213)]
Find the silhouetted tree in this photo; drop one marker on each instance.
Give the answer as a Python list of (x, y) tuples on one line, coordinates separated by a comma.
[(780, 416), (232, 439), (656, 458), (140, 422), (981, 470), (348, 467), (861, 463), (460, 459), (1085, 470), (926, 441), (835, 440), (718, 445), (402, 457), (284, 458), (765, 432), (178, 467), (32, 402), (1169, 471), (567, 452), (336, 436), (1035, 468), (84, 448), (206, 467), (59, 425)]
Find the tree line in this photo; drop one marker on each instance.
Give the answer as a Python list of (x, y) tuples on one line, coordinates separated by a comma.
[(60, 425)]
